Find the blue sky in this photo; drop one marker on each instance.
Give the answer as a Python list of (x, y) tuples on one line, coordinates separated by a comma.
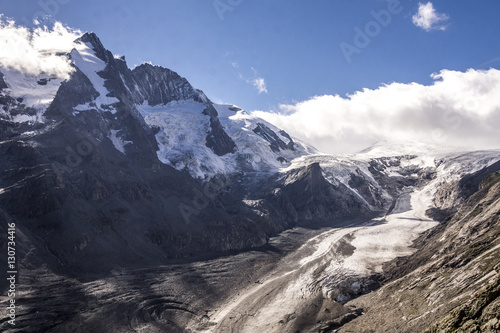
[(340, 75), (292, 46)]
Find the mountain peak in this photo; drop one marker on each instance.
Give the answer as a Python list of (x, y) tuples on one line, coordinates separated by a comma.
[(161, 85), (99, 49)]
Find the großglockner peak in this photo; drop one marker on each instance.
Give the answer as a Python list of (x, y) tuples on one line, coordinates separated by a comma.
[(191, 131), (138, 164)]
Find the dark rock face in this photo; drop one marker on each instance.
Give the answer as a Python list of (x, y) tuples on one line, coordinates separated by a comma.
[(305, 196), (451, 195), (160, 85), (218, 140), (78, 90), (269, 135), (290, 145), (3, 85), (365, 189)]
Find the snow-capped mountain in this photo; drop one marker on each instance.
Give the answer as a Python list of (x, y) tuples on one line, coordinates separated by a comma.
[(113, 167), (259, 146), (193, 134), (143, 152)]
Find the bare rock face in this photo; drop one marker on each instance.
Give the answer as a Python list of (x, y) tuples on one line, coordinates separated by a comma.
[(160, 85), (451, 195), (275, 142), (217, 138), (313, 198)]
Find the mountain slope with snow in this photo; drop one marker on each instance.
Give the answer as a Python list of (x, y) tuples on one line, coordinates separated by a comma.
[(140, 159), (183, 127), (193, 133)]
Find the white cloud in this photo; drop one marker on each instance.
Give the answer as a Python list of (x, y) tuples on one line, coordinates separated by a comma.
[(428, 19), (458, 109), (260, 84), (36, 51), (255, 80)]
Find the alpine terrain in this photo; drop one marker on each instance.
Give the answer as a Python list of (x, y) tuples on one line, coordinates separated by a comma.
[(140, 205)]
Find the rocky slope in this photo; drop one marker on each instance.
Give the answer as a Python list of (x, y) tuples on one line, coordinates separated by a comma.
[(452, 283)]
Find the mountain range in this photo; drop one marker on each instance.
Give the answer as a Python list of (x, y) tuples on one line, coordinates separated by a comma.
[(119, 169)]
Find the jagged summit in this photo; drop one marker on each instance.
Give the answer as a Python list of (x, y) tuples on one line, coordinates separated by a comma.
[(99, 49), (160, 86), (158, 99)]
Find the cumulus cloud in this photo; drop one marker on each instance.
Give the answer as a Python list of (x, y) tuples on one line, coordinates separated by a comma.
[(428, 19), (458, 109), (38, 50)]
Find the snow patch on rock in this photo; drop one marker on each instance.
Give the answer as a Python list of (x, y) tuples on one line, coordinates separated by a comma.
[(84, 57), (117, 141)]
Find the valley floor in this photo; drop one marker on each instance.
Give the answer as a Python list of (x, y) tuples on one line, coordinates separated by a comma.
[(338, 264), (297, 282)]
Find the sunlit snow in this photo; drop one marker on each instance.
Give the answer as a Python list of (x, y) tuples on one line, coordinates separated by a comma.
[(182, 139), (37, 92), (117, 141), (84, 57)]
